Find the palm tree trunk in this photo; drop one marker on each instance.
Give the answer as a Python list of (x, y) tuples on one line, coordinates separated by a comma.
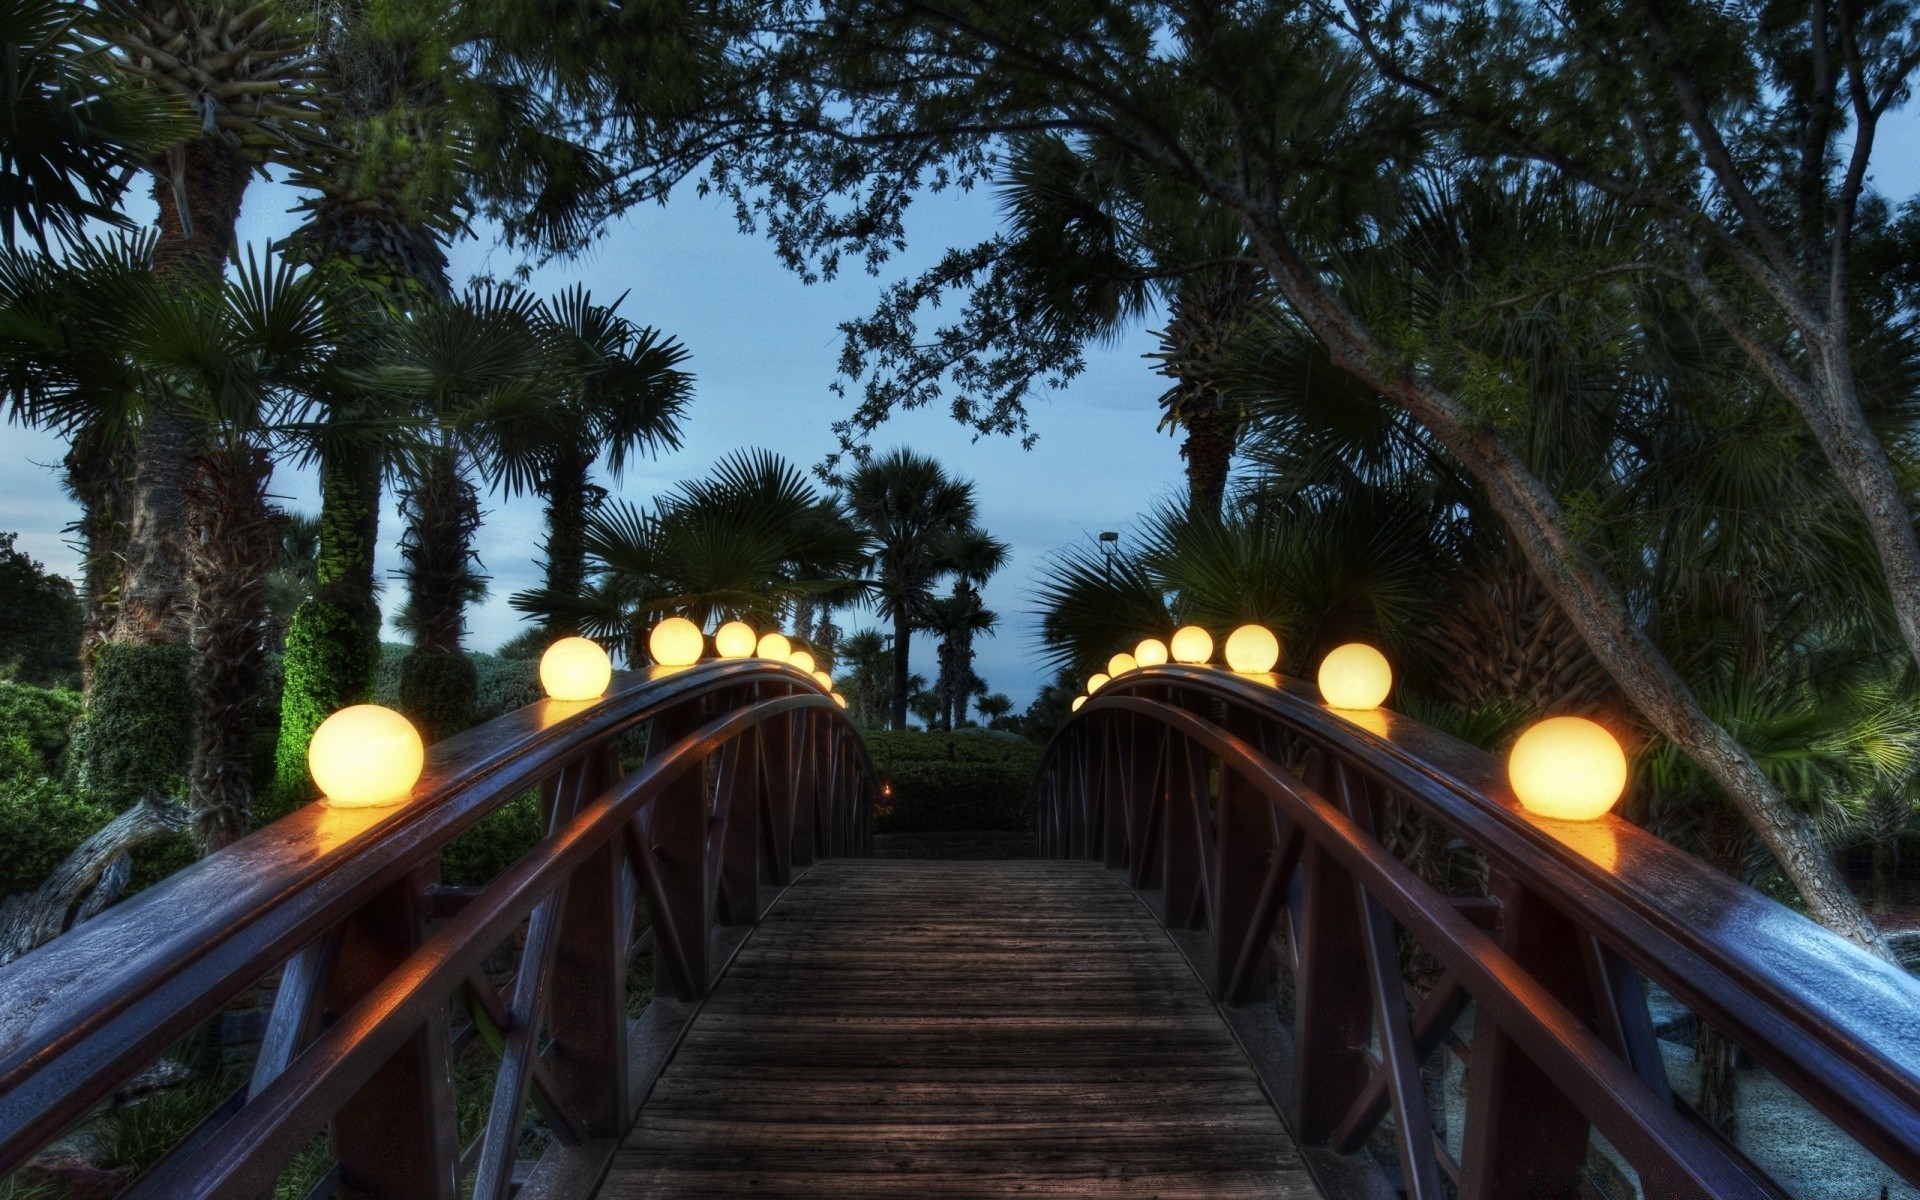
[(569, 500), (902, 634), (333, 643), (438, 685), (96, 471), (235, 543), (1211, 432), (138, 710)]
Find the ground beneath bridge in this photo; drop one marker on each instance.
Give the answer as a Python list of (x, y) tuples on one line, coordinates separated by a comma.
[(958, 1029)]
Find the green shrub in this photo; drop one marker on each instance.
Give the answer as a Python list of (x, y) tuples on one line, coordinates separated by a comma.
[(496, 843), (139, 1134), (136, 733), (966, 781), (505, 684), (333, 653), (39, 824), (41, 717)]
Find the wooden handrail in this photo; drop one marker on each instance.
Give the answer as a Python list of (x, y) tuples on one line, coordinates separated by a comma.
[(343, 897), (1284, 843)]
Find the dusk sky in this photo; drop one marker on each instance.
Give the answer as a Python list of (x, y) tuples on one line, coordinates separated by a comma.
[(764, 348)]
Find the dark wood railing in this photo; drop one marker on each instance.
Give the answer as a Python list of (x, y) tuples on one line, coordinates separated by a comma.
[(751, 773), (1250, 816)]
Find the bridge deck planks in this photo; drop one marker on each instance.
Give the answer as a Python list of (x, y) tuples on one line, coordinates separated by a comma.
[(957, 1029)]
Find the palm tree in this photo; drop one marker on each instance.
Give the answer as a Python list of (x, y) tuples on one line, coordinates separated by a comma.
[(907, 505), (614, 389), (972, 557), (76, 130), (466, 363), (746, 543), (994, 707), (865, 665)]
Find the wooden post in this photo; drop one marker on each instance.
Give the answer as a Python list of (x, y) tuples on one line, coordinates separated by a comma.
[(587, 1011), (1333, 1002), (394, 1138), (1243, 847), (674, 826), (1524, 1139)]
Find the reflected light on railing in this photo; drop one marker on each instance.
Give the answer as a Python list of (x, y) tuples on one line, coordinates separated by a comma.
[(1355, 676), (365, 756), (1192, 644), (1150, 653), (774, 645), (1596, 841), (735, 639), (1096, 681), (1121, 663), (575, 668), (1370, 719), (676, 642), (1252, 650), (1567, 768)]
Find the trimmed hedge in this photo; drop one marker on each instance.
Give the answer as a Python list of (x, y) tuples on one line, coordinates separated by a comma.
[(972, 780), (41, 717)]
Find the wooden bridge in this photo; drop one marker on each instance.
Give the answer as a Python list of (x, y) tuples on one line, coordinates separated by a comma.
[(1237, 969)]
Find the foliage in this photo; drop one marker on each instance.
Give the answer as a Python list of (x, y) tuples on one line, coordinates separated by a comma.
[(42, 718), (135, 733), (744, 544), (40, 824), (330, 661), (967, 780), (40, 640), (438, 689), (138, 1134), (498, 841), (74, 131)]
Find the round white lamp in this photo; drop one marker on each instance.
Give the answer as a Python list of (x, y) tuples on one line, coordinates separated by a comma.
[(735, 639), (1355, 676), (1192, 644), (803, 660), (1252, 650), (1096, 681), (774, 645), (365, 756), (676, 642), (1150, 653), (1121, 663), (575, 668), (1568, 768)]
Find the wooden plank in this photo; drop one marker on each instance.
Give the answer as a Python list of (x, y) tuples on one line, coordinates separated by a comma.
[(958, 1030)]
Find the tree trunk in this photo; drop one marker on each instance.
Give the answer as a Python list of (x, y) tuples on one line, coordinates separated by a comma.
[(88, 880), (333, 643), (902, 634), (1534, 518), (96, 466), (438, 685), (570, 498), (1211, 435), (235, 541)]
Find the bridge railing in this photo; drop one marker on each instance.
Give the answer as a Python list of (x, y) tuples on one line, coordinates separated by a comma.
[(751, 773), (1250, 816)]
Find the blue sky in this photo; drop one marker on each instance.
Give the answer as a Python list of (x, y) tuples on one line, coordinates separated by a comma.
[(764, 347)]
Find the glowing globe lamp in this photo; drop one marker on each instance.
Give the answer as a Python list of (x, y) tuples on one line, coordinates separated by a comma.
[(1150, 653), (575, 668), (735, 639), (1121, 663), (1252, 650), (365, 756), (1077, 702), (803, 660), (1355, 676), (774, 645), (839, 699), (1192, 644), (823, 679), (1096, 681), (676, 642), (1568, 768)]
